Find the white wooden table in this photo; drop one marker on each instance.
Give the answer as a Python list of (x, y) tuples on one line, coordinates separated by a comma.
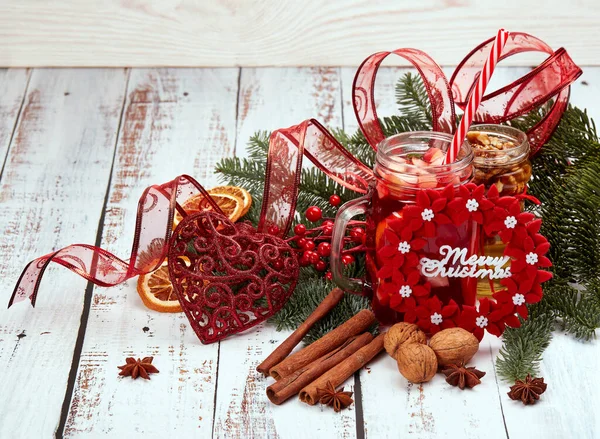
[(79, 146)]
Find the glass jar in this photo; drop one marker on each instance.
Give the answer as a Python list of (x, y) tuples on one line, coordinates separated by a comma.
[(501, 159), (406, 164)]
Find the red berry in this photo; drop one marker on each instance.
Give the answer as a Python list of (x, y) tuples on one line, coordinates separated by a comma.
[(321, 265), (273, 230), (335, 200), (347, 259), (301, 242), (300, 229), (309, 245), (278, 264), (328, 275), (312, 257), (313, 214), (327, 227), (357, 234), (324, 249), (304, 261)]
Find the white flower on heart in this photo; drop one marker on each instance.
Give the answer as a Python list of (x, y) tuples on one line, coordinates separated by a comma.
[(472, 205), (405, 291), (427, 214), (518, 299), (404, 247), (436, 318), (510, 222), (481, 321), (531, 258)]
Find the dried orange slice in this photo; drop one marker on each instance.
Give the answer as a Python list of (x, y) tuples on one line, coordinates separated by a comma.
[(231, 206), (157, 292), (236, 192)]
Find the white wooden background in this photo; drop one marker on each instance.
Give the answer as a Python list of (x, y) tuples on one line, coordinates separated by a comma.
[(230, 33), (78, 147)]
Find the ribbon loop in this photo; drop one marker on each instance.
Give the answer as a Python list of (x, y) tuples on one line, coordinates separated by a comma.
[(284, 167), (551, 79), (436, 84), (153, 228)]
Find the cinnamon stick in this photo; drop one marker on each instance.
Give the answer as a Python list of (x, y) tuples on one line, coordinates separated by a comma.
[(292, 384), (340, 373), (283, 350), (334, 338)]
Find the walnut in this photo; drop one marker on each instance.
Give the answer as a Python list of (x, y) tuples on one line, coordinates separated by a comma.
[(478, 138), (402, 333), (454, 346), (416, 362)]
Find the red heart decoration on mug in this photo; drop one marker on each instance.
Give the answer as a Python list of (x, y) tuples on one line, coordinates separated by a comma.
[(228, 277)]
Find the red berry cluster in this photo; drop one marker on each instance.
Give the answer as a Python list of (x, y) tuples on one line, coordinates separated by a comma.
[(315, 244)]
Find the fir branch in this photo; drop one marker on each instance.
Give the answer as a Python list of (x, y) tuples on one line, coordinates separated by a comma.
[(565, 176), (579, 313), (413, 100), (258, 146), (523, 347), (243, 172)]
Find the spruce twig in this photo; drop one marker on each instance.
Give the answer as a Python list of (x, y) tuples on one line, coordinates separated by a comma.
[(413, 100)]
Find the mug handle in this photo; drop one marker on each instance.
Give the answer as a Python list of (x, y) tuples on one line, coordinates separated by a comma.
[(343, 217)]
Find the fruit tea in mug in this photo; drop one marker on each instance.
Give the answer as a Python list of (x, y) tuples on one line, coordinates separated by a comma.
[(406, 164), (501, 159)]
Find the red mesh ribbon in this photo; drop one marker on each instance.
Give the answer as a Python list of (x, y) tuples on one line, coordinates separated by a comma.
[(158, 203), (436, 84), (311, 139), (550, 80), (153, 228), (284, 164)]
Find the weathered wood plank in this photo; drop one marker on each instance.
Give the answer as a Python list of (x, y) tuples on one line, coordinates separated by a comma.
[(276, 32), (52, 192), (175, 121), (271, 99), (13, 84)]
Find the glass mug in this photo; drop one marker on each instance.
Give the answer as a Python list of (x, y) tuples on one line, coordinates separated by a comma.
[(396, 185), (501, 159)]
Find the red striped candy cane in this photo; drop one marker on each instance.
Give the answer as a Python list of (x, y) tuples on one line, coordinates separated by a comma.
[(476, 95)]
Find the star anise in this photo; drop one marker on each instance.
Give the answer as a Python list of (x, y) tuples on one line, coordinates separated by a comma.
[(338, 399), (135, 368), (528, 391), (462, 376)]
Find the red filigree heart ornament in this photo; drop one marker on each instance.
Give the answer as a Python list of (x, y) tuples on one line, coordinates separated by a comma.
[(228, 277), (405, 287)]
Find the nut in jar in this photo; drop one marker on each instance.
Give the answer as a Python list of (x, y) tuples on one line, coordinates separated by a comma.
[(501, 157)]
